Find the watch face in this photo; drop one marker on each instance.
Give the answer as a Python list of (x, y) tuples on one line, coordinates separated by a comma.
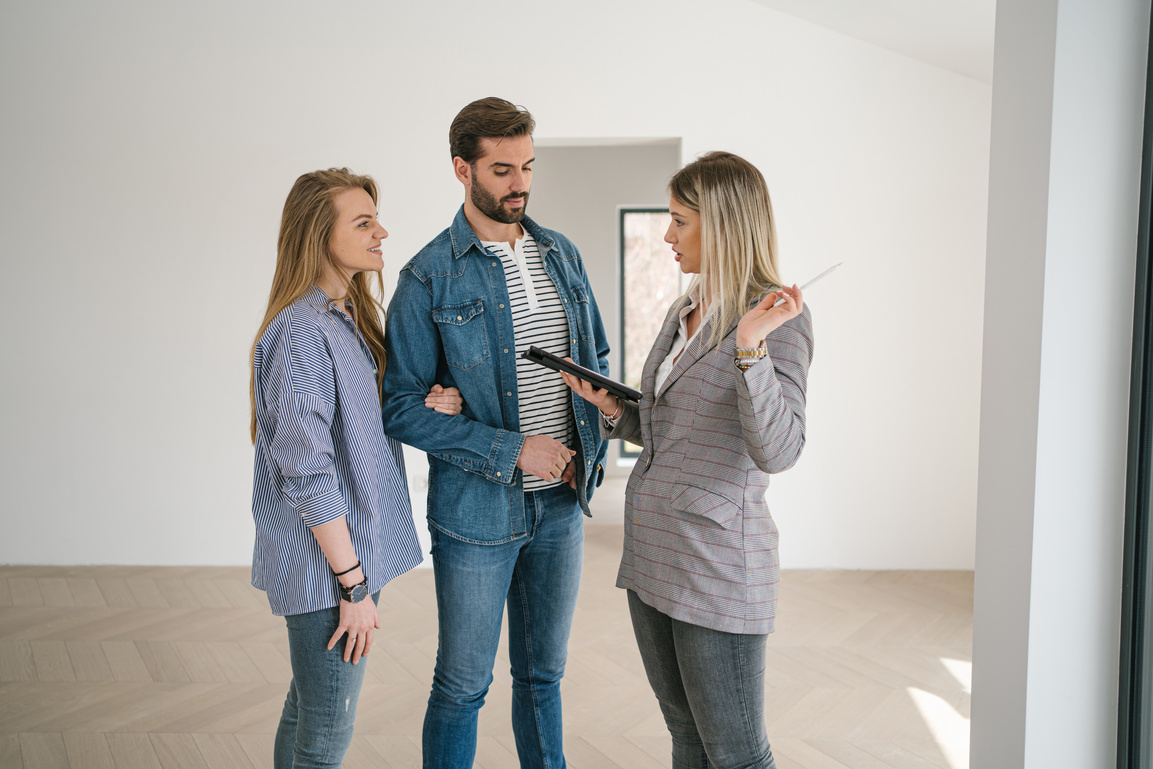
[(358, 593)]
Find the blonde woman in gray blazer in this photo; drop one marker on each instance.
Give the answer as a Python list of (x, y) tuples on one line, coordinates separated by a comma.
[(723, 407)]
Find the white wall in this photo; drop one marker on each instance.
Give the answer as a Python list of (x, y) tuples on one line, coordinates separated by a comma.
[(149, 146), (1068, 95)]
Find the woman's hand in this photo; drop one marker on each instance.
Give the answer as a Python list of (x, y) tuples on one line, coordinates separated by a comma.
[(608, 404), (764, 319), (446, 400), (360, 621)]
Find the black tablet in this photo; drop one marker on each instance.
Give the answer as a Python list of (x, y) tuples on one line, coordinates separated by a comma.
[(545, 358)]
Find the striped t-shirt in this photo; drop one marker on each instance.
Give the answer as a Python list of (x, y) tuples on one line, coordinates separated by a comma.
[(538, 320)]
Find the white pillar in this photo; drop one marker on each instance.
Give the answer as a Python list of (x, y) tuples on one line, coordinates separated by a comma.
[(1068, 98)]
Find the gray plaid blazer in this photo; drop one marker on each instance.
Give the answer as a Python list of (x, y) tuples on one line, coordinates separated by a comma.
[(700, 545)]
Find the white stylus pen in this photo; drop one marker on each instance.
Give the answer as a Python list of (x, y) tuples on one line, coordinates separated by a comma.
[(781, 301)]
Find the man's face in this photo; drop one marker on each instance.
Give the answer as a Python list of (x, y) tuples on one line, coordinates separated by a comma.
[(501, 178)]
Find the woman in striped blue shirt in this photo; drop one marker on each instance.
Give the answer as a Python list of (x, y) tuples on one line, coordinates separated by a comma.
[(330, 500)]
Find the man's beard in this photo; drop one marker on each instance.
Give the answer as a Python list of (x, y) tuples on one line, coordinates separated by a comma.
[(494, 209)]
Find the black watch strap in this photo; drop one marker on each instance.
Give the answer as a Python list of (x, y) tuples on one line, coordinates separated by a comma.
[(354, 593)]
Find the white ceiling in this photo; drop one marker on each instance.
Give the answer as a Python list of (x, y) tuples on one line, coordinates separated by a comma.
[(956, 35)]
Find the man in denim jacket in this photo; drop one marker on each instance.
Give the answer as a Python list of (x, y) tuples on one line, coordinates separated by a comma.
[(509, 476)]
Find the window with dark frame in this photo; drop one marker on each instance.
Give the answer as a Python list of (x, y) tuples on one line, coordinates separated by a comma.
[(1135, 705), (650, 281)]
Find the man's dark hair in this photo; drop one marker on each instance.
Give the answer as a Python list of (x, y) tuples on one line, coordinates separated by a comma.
[(491, 117)]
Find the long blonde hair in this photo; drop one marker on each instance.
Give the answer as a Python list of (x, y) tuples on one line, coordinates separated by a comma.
[(738, 233), (303, 256)]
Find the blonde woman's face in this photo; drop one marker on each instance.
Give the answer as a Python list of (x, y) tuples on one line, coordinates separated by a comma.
[(684, 235), (356, 236)]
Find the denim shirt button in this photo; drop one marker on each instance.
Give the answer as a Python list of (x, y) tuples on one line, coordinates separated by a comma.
[(498, 473), (502, 306), (509, 393), (506, 349)]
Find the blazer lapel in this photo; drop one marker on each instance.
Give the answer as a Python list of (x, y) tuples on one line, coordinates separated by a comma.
[(657, 354), (700, 345), (690, 355), (662, 345)]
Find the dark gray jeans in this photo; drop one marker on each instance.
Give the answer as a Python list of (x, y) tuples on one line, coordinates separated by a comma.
[(711, 689)]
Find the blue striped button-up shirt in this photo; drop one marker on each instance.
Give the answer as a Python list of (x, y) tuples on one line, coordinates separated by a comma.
[(321, 453)]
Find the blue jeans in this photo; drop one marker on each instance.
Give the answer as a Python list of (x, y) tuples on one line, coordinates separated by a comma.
[(538, 576), (711, 689), (316, 723)]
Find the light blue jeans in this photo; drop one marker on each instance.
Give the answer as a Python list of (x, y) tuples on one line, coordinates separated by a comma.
[(538, 576), (316, 723), (711, 689)]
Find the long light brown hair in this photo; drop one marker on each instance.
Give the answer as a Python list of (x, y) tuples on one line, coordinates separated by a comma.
[(738, 233), (303, 257)]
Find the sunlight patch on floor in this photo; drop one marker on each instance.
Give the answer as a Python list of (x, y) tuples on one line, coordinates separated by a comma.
[(949, 727), (962, 670)]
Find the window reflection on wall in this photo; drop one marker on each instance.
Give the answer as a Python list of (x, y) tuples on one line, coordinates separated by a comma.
[(650, 281)]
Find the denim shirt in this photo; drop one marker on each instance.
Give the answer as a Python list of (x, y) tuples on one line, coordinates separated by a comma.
[(450, 323)]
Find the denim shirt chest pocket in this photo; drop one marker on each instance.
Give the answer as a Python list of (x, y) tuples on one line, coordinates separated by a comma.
[(580, 305), (462, 333)]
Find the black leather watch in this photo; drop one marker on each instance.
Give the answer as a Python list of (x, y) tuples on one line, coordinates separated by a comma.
[(356, 593)]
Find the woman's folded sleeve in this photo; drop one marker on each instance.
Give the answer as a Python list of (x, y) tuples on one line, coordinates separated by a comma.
[(299, 399)]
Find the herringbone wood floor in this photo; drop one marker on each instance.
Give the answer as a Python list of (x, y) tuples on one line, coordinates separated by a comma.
[(110, 667)]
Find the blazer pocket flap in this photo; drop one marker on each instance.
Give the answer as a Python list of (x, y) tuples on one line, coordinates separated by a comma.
[(708, 504)]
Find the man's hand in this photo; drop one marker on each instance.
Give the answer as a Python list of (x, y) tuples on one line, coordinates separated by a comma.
[(544, 457), (569, 475)]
